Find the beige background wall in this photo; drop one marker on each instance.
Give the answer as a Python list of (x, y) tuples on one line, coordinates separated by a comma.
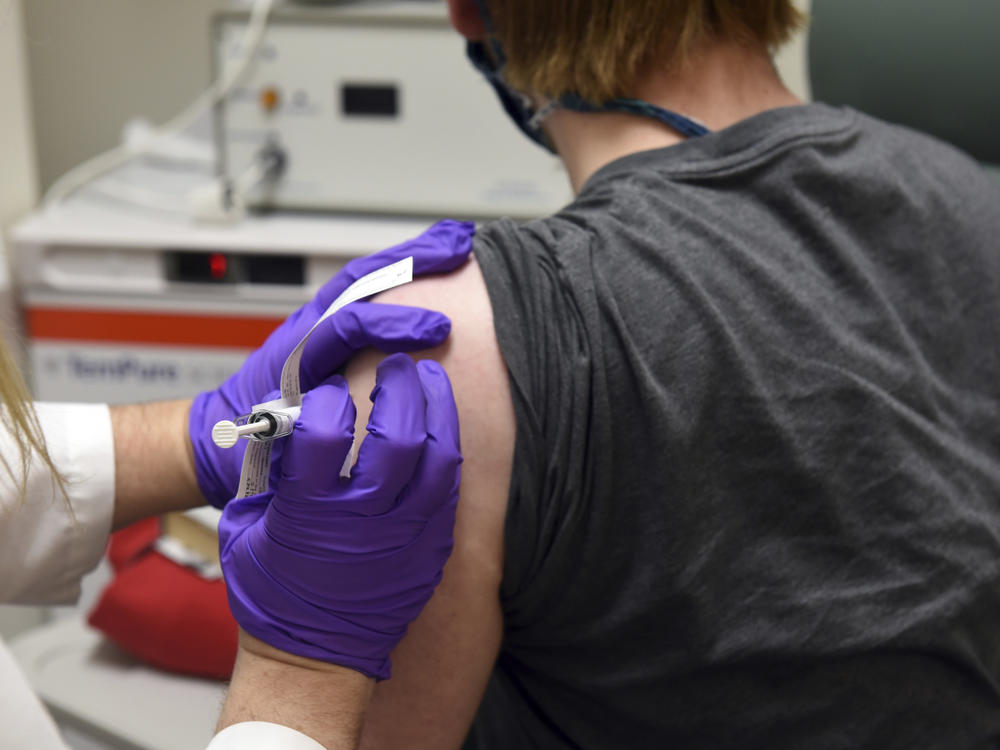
[(95, 63), (17, 174), (792, 61)]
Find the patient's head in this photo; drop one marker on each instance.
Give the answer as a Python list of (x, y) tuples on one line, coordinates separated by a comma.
[(598, 49)]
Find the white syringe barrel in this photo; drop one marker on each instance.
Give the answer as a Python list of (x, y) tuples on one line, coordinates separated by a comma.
[(281, 421)]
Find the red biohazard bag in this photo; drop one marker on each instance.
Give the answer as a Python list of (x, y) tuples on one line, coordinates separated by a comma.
[(166, 614)]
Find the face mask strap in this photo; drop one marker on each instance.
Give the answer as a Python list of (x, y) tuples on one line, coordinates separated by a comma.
[(489, 61), (516, 105), (686, 126), (535, 123)]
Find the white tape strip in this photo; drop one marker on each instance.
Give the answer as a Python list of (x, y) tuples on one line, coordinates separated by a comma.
[(257, 459)]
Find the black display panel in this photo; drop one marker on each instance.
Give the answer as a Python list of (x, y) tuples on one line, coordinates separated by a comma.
[(369, 100), (198, 267)]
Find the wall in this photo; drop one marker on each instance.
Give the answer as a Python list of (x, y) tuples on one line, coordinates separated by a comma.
[(792, 60), (96, 63), (17, 179)]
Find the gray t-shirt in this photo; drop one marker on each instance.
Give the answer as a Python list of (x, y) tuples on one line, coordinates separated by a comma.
[(756, 491)]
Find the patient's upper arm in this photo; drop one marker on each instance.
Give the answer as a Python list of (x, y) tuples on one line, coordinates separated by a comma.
[(440, 669)]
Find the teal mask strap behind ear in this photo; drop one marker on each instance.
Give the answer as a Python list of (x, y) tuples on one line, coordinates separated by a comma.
[(529, 120)]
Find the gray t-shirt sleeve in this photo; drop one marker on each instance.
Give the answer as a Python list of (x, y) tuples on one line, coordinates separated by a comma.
[(541, 332)]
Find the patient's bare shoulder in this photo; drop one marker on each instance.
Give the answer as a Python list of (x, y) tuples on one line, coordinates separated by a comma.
[(441, 667)]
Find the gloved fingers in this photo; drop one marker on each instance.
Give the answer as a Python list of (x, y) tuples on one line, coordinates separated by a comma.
[(360, 325), (438, 470), (238, 515), (396, 436), (313, 454), (442, 248)]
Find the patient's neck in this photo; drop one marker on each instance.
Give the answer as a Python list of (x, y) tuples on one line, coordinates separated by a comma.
[(721, 84)]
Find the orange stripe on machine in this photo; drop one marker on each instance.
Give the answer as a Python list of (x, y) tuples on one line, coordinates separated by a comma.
[(148, 328)]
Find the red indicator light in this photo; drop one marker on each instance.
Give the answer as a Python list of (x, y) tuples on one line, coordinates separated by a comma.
[(217, 264)]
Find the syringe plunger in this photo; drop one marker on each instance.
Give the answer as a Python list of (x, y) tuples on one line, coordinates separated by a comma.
[(226, 433)]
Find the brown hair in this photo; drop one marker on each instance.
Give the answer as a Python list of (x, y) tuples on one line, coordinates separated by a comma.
[(597, 48)]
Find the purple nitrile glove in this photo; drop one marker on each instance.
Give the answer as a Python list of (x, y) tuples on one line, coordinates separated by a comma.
[(335, 569), (389, 328)]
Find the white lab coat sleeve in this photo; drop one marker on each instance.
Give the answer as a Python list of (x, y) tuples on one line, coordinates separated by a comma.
[(261, 735), (48, 541)]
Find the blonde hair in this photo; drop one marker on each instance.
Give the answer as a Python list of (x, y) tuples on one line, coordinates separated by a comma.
[(21, 423), (597, 49)]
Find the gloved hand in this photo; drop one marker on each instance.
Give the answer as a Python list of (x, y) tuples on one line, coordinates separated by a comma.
[(390, 328), (335, 569)]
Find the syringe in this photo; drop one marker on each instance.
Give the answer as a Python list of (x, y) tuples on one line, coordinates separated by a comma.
[(260, 425)]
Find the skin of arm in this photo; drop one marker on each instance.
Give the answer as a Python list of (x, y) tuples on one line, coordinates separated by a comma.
[(154, 462), (441, 667), (323, 701)]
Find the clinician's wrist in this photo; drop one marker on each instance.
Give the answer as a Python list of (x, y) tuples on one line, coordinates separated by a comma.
[(262, 650), (191, 466), (205, 461), (186, 485)]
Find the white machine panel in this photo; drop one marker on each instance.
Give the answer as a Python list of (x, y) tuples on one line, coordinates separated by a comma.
[(118, 308), (377, 109)]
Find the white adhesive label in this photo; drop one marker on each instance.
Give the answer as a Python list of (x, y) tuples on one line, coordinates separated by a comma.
[(257, 459), (256, 468)]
